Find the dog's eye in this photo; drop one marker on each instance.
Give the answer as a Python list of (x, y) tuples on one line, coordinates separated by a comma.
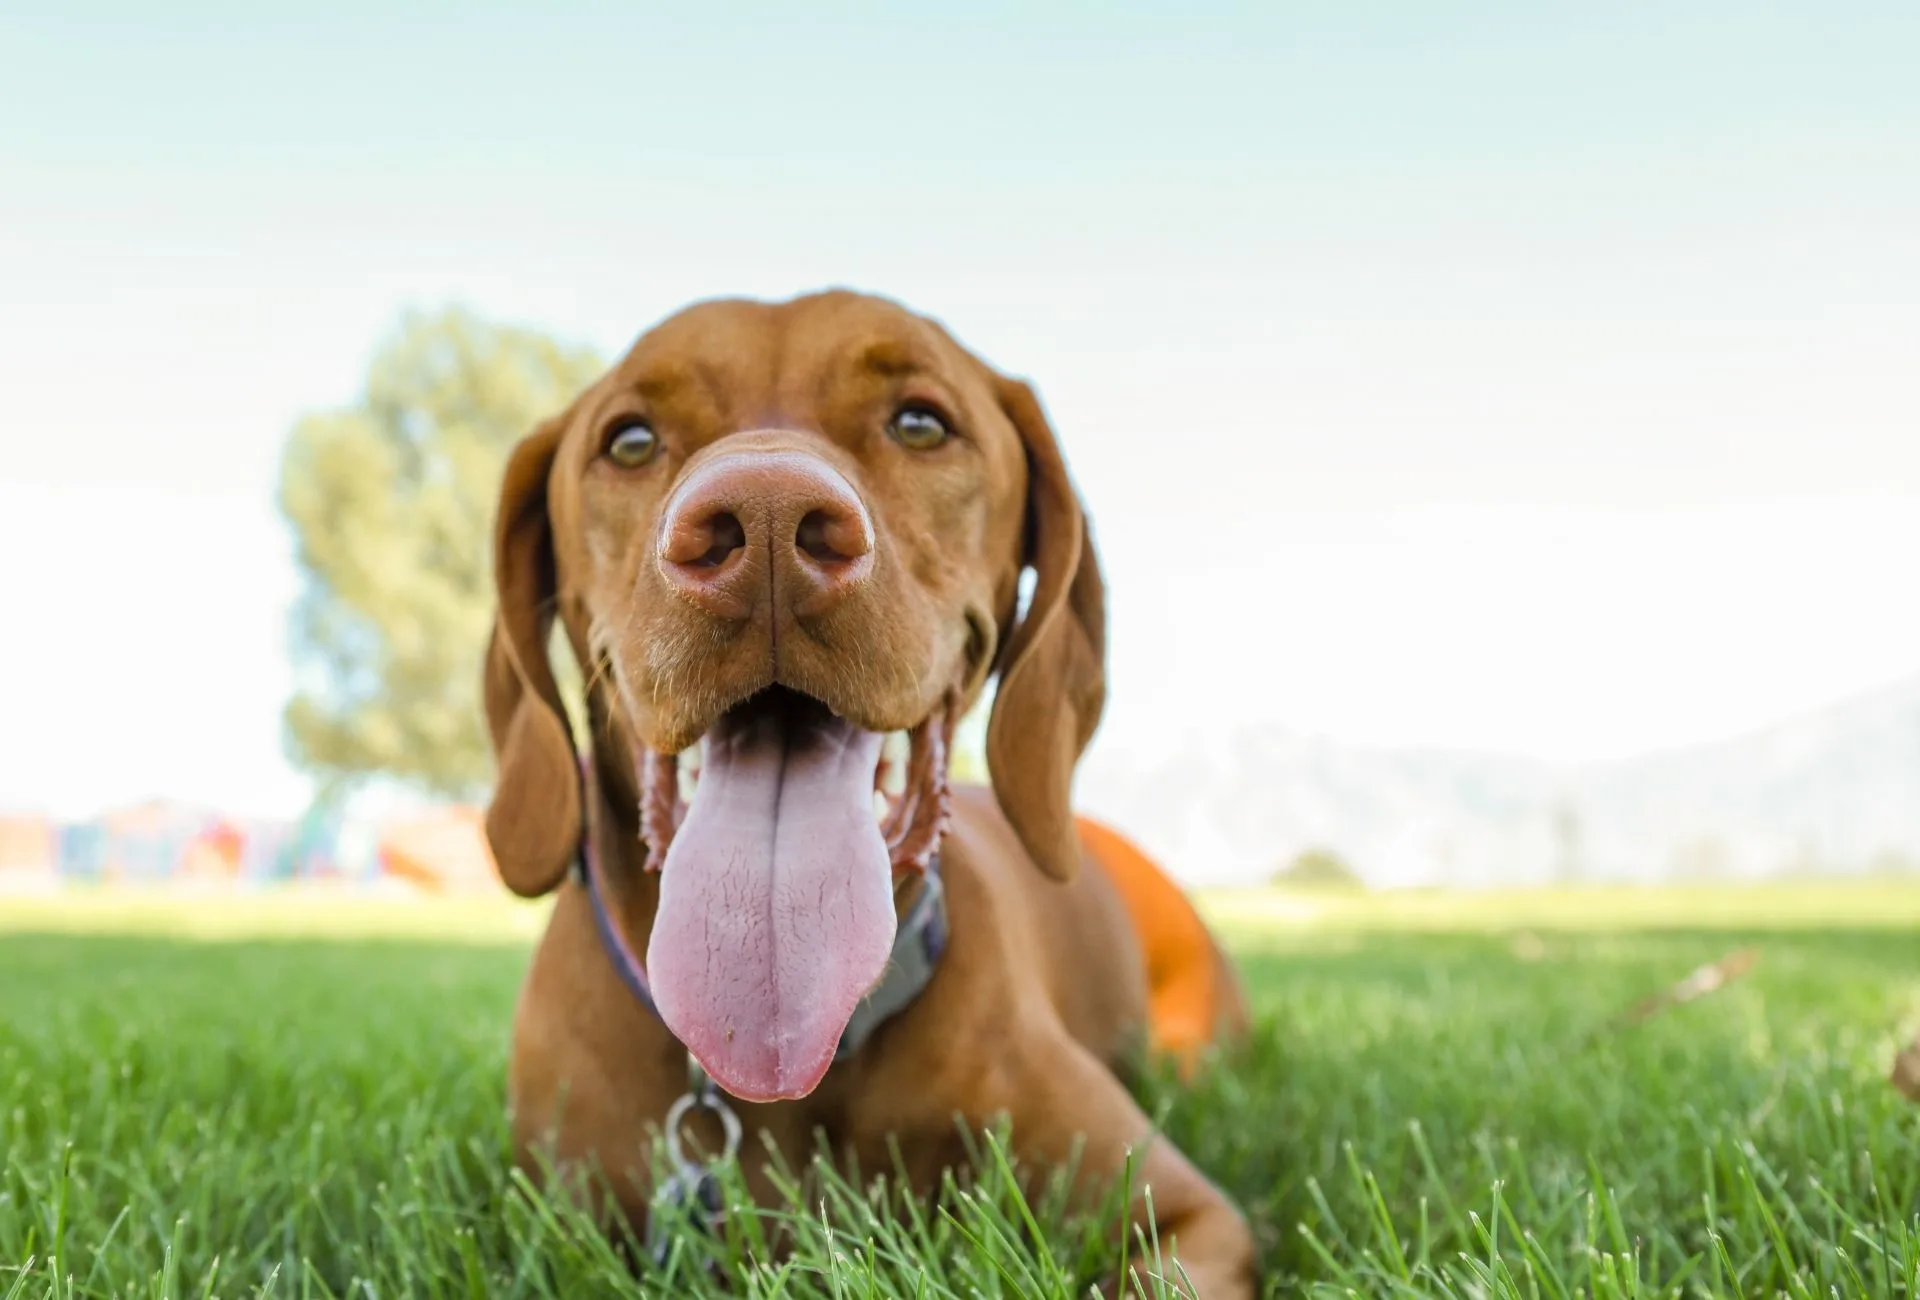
[(918, 429), (632, 445)]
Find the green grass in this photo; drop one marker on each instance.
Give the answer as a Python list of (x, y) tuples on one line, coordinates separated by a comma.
[(277, 1103)]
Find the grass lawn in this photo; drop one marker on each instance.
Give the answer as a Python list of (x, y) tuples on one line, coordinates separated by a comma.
[(292, 1098)]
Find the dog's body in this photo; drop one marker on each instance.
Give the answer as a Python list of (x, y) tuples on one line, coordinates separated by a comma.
[(774, 532)]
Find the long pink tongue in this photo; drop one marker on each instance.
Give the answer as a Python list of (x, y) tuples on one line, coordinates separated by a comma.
[(776, 902)]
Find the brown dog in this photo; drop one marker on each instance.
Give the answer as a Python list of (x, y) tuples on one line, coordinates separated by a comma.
[(775, 533)]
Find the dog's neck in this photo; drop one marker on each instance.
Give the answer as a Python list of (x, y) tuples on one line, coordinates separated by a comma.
[(613, 825)]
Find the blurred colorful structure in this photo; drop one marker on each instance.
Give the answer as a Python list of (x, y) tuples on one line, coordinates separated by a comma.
[(28, 846), (438, 850), (444, 851)]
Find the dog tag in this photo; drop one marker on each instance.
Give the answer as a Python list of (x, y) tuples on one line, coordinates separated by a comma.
[(689, 1201)]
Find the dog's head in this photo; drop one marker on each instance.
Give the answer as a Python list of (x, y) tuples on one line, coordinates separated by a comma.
[(785, 542)]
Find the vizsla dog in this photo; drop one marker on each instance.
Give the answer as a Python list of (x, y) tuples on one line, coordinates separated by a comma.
[(785, 542)]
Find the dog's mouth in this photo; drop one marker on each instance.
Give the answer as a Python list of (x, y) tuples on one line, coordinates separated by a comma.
[(909, 788), (779, 838)]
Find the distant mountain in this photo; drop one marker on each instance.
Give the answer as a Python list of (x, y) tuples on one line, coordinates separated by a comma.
[(1835, 791)]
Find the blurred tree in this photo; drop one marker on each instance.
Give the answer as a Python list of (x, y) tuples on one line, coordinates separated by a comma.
[(1318, 869), (391, 501)]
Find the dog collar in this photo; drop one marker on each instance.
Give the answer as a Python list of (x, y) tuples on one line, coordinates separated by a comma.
[(918, 943)]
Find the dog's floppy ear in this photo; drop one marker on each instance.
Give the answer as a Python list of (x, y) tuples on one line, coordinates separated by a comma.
[(533, 823), (1053, 682)]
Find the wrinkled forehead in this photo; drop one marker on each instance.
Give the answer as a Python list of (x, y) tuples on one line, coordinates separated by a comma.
[(743, 363)]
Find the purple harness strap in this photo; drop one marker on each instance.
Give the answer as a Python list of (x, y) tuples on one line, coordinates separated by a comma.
[(619, 951)]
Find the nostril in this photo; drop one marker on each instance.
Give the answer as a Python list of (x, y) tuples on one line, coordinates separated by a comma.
[(812, 538), (832, 536), (697, 540), (726, 535)]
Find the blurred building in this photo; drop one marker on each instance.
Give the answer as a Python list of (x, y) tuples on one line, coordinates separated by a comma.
[(433, 848), (28, 847), (443, 851)]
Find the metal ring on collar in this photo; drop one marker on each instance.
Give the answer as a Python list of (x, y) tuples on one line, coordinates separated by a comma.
[(677, 1114)]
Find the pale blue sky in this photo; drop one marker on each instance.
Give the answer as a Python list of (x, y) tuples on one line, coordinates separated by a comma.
[(1517, 377)]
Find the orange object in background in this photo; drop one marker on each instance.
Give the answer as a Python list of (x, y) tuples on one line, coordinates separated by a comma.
[(1185, 999), (213, 855), (444, 851), (29, 847), (26, 844)]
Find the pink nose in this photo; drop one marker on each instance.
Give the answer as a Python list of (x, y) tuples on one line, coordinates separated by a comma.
[(783, 524)]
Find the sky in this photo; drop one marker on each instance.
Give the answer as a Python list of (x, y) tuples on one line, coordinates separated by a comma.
[(1527, 378)]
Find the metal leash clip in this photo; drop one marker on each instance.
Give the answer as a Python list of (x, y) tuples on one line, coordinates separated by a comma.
[(690, 1197)]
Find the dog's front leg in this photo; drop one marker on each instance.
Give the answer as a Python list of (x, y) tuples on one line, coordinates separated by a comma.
[(1058, 1096)]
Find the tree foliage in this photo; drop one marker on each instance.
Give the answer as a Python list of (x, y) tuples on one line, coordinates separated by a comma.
[(391, 503), (1319, 869)]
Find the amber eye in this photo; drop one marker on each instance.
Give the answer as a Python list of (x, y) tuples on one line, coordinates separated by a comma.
[(632, 445), (918, 429)]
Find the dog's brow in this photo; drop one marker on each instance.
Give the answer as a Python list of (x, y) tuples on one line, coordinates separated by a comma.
[(888, 358), (662, 385)]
